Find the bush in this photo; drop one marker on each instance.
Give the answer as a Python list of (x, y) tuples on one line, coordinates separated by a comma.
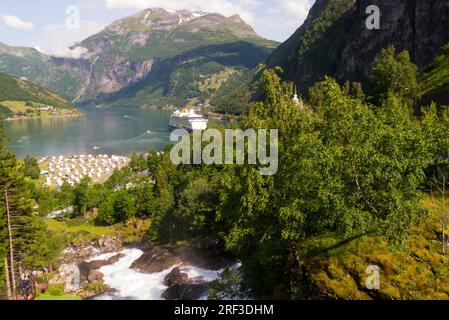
[(118, 206), (55, 290)]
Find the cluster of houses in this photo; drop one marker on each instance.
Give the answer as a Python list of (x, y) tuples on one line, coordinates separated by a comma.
[(72, 169), (47, 108)]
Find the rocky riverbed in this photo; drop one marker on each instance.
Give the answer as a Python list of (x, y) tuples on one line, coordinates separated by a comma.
[(148, 272)]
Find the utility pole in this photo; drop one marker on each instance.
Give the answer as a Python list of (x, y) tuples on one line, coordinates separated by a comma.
[(8, 284), (11, 251)]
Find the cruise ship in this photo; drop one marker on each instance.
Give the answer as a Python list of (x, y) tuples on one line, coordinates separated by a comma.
[(188, 119)]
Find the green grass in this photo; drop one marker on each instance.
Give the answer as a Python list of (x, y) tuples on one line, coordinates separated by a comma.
[(56, 292), (16, 106), (337, 269), (14, 89), (435, 79), (32, 109), (77, 226), (45, 297)]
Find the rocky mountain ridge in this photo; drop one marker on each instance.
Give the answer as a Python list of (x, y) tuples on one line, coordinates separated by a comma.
[(130, 50)]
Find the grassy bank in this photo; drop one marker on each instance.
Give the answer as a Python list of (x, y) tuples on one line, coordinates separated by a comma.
[(47, 297), (336, 269), (78, 227)]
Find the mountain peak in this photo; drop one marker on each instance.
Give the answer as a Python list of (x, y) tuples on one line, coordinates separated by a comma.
[(160, 19), (237, 18)]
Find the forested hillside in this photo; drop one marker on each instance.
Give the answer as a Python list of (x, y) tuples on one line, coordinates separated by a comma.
[(359, 184), (155, 57), (16, 94)]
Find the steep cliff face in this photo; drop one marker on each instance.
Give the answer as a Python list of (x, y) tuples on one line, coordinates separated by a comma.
[(335, 41)]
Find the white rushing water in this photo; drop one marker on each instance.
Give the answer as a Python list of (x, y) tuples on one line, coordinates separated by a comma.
[(133, 285)]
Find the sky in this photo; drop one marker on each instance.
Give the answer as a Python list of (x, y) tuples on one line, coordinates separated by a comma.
[(50, 25)]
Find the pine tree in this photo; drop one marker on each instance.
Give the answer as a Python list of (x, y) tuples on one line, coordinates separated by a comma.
[(32, 246)]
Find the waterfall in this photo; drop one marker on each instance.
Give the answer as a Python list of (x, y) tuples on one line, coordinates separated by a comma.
[(134, 285)]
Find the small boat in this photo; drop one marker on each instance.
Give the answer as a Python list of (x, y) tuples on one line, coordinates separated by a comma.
[(96, 148)]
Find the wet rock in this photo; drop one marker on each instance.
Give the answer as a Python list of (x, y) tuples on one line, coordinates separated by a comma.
[(115, 258), (156, 260), (87, 267), (70, 276), (176, 277), (85, 253), (161, 258), (97, 264), (110, 244), (96, 276), (186, 292)]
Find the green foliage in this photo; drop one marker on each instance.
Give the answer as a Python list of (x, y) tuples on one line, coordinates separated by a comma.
[(234, 96), (146, 203), (177, 80), (229, 286), (434, 84), (39, 69), (138, 163), (81, 196), (183, 202), (5, 112), (31, 168), (13, 89), (394, 74), (336, 269), (332, 12), (344, 168), (55, 290), (118, 206), (33, 246), (96, 287)]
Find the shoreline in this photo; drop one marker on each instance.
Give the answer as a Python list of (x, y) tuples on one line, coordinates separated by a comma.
[(25, 118)]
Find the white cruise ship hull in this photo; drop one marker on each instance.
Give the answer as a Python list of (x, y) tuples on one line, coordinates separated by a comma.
[(190, 124)]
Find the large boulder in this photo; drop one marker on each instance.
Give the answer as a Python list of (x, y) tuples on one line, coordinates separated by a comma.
[(161, 258), (85, 253), (97, 264), (186, 292), (110, 244), (115, 258), (87, 267), (70, 275), (157, 260), (176, 277), (96, 276)]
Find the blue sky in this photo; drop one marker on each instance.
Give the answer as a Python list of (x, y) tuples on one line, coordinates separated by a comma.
[(42, 24)]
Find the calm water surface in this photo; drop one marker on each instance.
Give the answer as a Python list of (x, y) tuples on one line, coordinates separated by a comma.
[(117, 131)]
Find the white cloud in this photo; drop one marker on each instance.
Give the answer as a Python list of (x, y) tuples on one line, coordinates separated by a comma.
[(71, 53), (280, 20), (297, 8), (88, 6), (16, 22), (61, 38)]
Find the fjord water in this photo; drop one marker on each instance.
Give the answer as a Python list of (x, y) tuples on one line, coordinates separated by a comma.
[(119, 131)]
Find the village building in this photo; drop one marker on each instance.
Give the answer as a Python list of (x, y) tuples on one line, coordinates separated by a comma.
[(58, 170)]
